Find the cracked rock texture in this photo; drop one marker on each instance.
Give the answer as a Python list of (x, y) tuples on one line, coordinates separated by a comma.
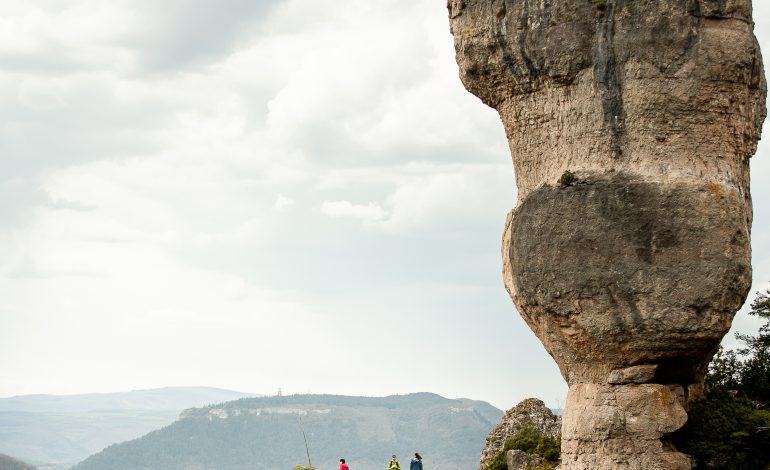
[(519, 460), (656, 106)]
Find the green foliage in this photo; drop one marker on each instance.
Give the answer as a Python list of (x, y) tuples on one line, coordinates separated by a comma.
[(498, 463), (600, 5), (730, 429), (525, 440), (531, 441), (548, 448), (567, 178), (725, 432), (542, 466), (755, 370), (724, 371), (300, 467)]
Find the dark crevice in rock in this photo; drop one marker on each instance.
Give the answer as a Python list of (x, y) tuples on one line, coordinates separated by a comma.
[(695, 9), (606, 74), (501, 37), (517, 61), (533, 72), (686, 368)]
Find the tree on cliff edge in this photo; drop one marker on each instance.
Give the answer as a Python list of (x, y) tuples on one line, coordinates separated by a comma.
[(755, 370), (730, 429)]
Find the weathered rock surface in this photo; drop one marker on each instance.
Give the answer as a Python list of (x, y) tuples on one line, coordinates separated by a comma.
[(612, 427), (656, 106), (617, 272), (633, 375), (520, 460), (530, 412)]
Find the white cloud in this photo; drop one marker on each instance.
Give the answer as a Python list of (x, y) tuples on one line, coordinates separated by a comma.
[(139, 310), (345, 209), (70, 37), (171, 171), (40, 94), (423, 196), (282, 203)]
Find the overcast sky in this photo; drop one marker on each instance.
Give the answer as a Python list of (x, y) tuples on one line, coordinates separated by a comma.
[(260, 194)]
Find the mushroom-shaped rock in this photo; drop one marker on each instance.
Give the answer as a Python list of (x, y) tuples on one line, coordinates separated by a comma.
[(630, 125)]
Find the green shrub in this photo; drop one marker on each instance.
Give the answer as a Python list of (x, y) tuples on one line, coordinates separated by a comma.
[(525, 440), (542, 466), (531, 441), (726, 432), (567, 178), (548, 448), (498, 463)]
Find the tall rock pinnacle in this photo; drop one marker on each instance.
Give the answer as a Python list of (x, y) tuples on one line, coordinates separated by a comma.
[(631, 124)]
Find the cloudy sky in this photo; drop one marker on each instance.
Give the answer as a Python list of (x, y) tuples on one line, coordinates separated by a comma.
[(260, 194)]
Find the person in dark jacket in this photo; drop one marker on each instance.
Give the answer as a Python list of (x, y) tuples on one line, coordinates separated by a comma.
[(416, 463)]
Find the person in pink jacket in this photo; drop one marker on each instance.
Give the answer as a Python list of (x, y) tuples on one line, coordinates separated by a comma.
[(343, 465)]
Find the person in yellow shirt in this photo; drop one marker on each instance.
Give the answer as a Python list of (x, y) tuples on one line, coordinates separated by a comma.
[(394, 465)]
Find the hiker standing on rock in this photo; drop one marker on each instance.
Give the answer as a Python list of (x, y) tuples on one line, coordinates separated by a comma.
[(394, 465), (416, 463), (343, 465)]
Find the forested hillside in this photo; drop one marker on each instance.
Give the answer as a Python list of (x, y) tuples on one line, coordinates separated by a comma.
[(264, 434), (9, 463), (55, 432)]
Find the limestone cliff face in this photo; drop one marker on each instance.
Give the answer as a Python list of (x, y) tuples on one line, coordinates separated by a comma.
[(656, 106)]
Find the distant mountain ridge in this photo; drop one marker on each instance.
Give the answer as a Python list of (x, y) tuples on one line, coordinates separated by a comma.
[(55, 432), (263, 434), (149, 399), (9, 463)]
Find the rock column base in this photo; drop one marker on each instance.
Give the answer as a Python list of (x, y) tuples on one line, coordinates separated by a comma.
[(613, 427)]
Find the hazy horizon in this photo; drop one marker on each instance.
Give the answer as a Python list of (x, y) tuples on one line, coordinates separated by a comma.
[(248, 393)]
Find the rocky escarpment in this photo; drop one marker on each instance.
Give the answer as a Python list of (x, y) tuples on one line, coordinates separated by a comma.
[(630, 124), (529, 413)]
